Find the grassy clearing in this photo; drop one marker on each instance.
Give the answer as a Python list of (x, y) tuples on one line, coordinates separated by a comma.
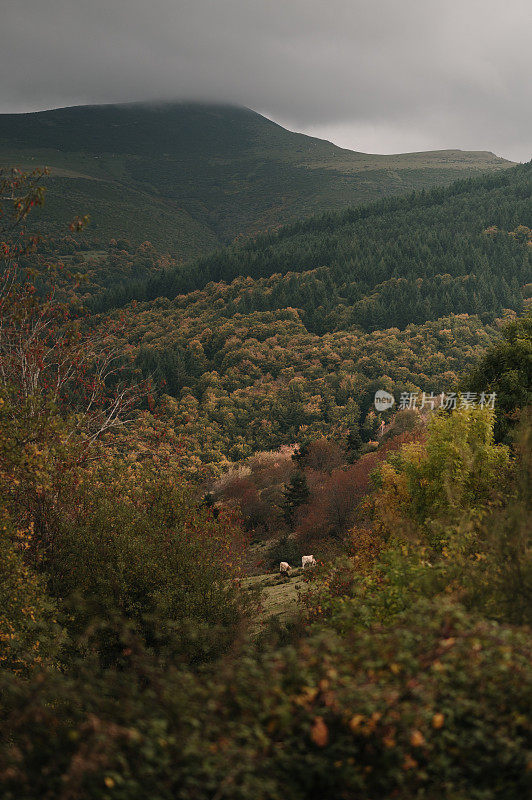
[(279, 595)]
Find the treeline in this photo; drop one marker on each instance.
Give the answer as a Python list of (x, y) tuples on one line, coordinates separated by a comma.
[(403, 295), (291, 334), (392, 262)]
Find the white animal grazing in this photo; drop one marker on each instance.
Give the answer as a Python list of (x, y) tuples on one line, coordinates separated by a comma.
[(284, 567), (308, 561)]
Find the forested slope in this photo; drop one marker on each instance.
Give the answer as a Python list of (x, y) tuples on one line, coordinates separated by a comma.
[(388, 264), (289, 336)]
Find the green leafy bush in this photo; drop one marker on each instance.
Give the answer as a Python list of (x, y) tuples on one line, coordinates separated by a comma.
[(29, 633), (506, 369), (434, 707)]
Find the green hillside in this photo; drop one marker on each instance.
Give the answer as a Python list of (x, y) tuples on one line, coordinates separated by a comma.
[(190, 177), (289, 336), (390, 263)]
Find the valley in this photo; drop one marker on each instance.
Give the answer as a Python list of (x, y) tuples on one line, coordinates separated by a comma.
[(188, 389)]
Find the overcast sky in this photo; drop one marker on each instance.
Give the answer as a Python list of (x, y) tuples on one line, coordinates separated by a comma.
[(372, 75)]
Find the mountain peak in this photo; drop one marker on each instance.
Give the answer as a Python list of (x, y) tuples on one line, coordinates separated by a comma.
[(199, 174)]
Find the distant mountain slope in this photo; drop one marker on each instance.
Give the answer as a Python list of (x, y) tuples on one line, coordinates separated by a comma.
[(190, 176), (390, 263), (289, 336)]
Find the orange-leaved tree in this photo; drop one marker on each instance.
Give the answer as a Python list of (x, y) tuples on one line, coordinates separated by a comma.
[(60, 381), (103, 533)]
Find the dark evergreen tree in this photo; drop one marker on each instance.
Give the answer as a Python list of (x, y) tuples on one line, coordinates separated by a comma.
[(295, 495), (353, 444)]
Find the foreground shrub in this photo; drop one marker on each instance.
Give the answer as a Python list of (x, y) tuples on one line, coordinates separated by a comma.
[(428, 486), (436, 707), (506, 369), (454, 515), (143, 545), (29, 634)]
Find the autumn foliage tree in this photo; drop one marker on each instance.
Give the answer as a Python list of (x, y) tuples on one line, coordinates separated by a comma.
[(103, 526), (60, 381)]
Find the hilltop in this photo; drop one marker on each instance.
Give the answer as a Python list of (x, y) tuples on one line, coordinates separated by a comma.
[(190, 177)]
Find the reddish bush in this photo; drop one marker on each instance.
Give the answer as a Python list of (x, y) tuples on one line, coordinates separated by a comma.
[(323, 455)]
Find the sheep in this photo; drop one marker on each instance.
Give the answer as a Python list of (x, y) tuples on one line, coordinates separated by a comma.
[(308, 561), (284, 568)]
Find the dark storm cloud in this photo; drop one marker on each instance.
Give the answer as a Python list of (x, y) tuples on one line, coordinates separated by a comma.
[(374, 75)]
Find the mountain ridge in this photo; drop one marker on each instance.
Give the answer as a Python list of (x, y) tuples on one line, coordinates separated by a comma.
[(217, 108), (194, 176)]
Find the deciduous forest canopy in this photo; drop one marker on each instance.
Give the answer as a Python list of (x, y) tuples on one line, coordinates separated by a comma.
[(290, 334)]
